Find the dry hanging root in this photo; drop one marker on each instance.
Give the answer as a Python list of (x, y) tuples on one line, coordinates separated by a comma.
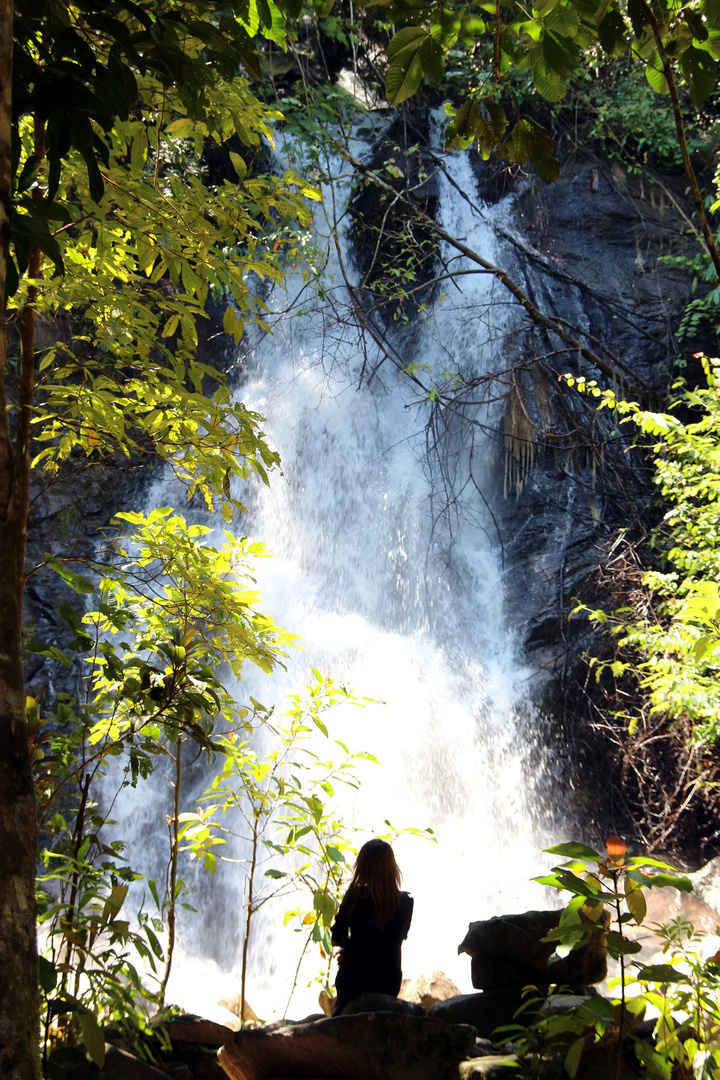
[(519, 445)]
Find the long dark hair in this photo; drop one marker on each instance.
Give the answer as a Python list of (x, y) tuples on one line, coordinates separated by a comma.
[(377, 876)]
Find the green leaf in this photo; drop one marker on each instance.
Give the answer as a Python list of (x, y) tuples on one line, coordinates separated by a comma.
[(93, 1038), (497, 117), (47, 974), (548, 83), (515, 146), (612, 32), (410, 37), (560, 54), (403, 77), (563, 20), (574, 850), (432, 59), (655, 75), (181, 128), (544, 7), (238, 164), (51, 651), (700, 72), (618, 945), (660, 973), (445, 26), (662, 881), (77, 582), (154, 943), (572, 1058), (467, 119), (711, 10), (635, 900), (540, 149)]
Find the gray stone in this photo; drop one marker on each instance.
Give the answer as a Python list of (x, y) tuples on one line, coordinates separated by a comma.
[(509, 951), (376, 1046)]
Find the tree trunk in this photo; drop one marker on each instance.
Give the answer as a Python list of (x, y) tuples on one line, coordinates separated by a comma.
[(19, 1004)]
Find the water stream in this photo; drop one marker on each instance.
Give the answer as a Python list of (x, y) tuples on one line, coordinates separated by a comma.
[(393, 578)]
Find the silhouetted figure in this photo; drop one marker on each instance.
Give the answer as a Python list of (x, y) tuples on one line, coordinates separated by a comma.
[(371, 925)]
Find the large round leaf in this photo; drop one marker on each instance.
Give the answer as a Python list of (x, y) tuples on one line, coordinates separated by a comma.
[(403, 77)]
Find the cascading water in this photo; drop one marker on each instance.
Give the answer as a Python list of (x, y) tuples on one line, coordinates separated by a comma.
[(394, 582)]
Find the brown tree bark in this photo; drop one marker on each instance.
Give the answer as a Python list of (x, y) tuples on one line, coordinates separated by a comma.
[(19, 1004)]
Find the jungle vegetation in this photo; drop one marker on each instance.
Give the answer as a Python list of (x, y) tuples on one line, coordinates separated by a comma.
[(114, 236)]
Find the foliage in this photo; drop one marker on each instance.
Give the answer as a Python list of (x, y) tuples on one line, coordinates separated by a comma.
[(677, 647), (76, 78), (548, 40), (683, 989), (275, 803), (173, 614), (634, 126), (141, 257)]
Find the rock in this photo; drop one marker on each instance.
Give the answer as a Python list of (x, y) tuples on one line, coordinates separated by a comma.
[(234, 1004), (706, 883), (377, 1046), (493, 1067), (428, 989), (509, 951), (483, 1048), (194, 1029), (200, 1060), (124, 1066), (561, 1003), (179, 1070), (485, 1012), (375, 1003)]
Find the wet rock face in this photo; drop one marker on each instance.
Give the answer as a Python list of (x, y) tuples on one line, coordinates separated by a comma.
[(385, 235), (606, 231), (586, 250)]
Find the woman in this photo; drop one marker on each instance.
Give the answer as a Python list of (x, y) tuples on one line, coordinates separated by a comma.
[(371, 925)]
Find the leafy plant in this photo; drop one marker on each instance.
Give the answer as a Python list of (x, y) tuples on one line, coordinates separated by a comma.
[(174, 612), (278, 799), (617, 882)]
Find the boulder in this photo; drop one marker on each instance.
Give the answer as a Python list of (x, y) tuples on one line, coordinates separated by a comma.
[(375, 1046), (706, 883), (374, 1003), (485, 1012), (493, 1067), (194, 1029), (235, 1004), (428, 989), (124, 1066), (509, 951)]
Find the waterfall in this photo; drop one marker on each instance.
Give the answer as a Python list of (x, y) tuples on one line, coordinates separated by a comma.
[(387, 563)]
